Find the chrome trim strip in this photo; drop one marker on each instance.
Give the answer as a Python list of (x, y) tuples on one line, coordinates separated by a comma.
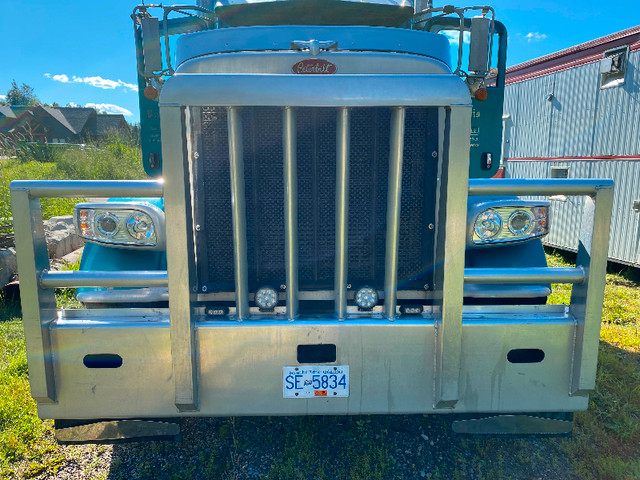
[(315, 90), (315, 295), (343, 146), (394, 194), (239, 211), (499, 292), (122, 278), (289, 143), (131, 295), (547, 186), (525, 275), (89, 188)]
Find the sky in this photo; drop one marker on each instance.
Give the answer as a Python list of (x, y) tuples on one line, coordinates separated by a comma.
[(82, 51)]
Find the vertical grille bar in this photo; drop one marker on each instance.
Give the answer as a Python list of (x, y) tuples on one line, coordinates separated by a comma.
[(342, 211), (290, 210), (394, 194), (239, 212)]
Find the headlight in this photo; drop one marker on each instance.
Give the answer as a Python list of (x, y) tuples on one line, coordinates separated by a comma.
[(508, 221), (121, 224), (487, 225)]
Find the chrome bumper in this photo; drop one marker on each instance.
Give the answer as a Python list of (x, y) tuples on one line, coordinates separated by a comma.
[(240, 364)]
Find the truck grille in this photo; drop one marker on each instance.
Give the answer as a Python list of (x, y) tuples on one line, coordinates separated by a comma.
[(316, 152)]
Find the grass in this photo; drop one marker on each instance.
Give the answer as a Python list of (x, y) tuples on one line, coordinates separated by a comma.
[(113, 159), (605, 445), (606, 442), (26, 443)]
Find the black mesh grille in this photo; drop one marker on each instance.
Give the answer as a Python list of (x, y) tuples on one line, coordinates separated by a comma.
[(316, 154)]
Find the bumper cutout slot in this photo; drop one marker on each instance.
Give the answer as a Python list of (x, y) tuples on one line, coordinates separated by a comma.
[(322, 353), (102, 360), (525, 355)]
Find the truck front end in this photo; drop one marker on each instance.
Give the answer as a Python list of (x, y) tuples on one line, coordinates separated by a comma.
[(325, 239)]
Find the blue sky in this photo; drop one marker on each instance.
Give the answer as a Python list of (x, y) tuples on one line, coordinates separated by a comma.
[(82, 51)]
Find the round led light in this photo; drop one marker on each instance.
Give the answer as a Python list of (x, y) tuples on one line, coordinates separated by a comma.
[(366, 298), (520, 222), (266, 298), (488, 224), (140, 226), (107, 224)]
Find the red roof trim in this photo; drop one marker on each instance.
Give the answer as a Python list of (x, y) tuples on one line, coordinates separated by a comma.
[(573, 57), (574, 159)]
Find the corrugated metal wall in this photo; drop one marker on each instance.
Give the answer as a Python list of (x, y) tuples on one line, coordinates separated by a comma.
[(580, 120)]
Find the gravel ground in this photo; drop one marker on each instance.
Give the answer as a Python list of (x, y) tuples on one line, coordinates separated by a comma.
[(367, 447)]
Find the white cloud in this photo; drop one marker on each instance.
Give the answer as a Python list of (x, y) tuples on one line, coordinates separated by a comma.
[(535, 36), (3, 97), (109, 108), (61, 78), (454, 36), (95, 81)]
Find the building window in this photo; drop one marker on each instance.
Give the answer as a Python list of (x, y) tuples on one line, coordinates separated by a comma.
[(613, 67), (560, 172)]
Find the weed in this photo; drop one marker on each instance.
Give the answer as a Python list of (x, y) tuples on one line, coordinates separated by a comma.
[(114, 159)]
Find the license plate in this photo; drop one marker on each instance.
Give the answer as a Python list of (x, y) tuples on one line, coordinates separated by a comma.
[(315, 381)]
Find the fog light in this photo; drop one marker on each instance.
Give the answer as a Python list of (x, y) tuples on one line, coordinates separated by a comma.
[(107, 224), (488, 224), (366, 298), (266, 298)]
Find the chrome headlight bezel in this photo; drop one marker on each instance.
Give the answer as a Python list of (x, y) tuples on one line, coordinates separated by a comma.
[(86, 215), (520, 221)]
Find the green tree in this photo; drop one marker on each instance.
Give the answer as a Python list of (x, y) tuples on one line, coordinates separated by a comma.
[(22, 95)]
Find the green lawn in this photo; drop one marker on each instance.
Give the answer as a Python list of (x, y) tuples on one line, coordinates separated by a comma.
[(114, 160)]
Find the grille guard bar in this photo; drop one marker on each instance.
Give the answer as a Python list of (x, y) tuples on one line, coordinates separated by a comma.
[(38, 300)]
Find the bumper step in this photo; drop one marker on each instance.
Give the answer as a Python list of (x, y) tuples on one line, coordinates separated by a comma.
[(73, 432), (557, 424)]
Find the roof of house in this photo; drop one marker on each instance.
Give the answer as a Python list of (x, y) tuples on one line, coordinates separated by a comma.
[(6, 111), (58, 115), (77, 117), (75, 120), (575, 56), (107, 122)]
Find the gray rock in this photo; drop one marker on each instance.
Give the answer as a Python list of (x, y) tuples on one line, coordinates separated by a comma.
[(8, 267), (62, 239), (61, 236)]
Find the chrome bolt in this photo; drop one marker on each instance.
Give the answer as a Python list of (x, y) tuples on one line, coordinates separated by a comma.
[(204, 288), (348, 286), (431, 226), (426, 286), (196, 155), (195, 289), (434, 154), (283, 287), (197, 228)]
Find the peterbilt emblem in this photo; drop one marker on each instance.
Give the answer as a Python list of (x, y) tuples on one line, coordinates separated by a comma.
[(314, 66)]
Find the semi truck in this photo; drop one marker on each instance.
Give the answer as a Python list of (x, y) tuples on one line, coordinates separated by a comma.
[(320, 234)]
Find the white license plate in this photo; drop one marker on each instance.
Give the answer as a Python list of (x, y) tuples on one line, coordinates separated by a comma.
[(320, 381)]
